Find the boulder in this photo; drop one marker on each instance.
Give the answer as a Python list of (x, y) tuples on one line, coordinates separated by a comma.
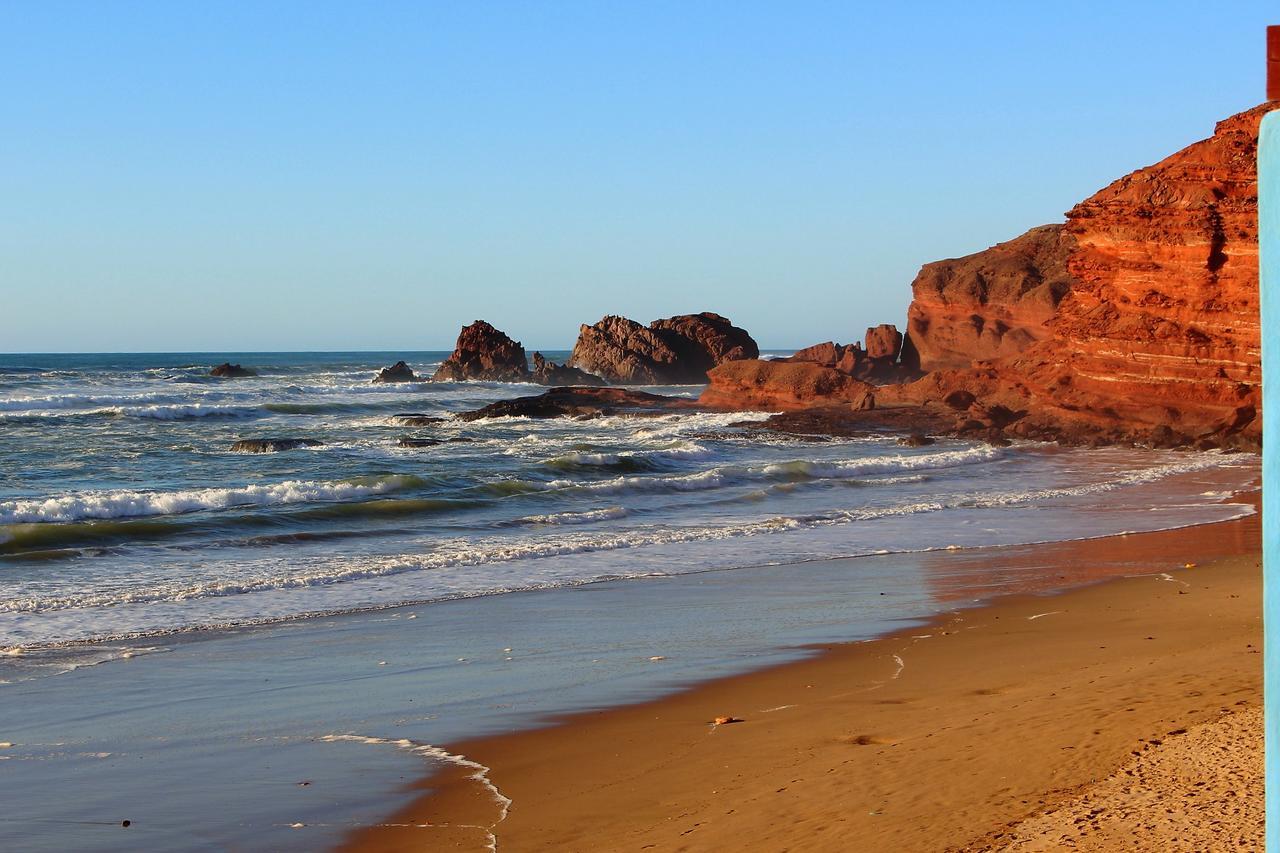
[(398, 372), (227, 370), (485, 353), (675, 350)]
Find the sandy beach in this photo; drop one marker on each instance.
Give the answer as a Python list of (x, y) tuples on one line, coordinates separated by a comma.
[(1123, 715)]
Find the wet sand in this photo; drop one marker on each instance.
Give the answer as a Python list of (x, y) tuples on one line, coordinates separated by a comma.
[(1119, 716)]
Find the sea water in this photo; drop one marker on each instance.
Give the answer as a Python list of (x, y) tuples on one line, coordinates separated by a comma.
[(171, 609)]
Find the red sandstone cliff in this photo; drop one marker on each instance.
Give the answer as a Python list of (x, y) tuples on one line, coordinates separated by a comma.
[(989, 304), (1137, 319)]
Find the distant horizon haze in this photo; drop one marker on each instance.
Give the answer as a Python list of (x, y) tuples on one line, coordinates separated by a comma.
[(321, 177)]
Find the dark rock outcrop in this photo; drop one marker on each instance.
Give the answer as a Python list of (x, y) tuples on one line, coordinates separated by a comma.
[(227, 370), (416, 419), (485, 353), (671, 351), (398, 372), (408, 441), (546, 372), (272, 445), (582, 403)]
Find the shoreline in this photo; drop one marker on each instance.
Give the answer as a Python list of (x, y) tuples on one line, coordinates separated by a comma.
[(608, 779)]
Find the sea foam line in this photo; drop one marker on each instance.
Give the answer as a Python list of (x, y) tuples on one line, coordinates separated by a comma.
[(480, 774)]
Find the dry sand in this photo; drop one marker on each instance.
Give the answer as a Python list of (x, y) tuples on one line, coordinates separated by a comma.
[(1120, 716)]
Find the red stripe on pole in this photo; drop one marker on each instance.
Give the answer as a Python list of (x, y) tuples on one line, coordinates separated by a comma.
[(1273, 63)]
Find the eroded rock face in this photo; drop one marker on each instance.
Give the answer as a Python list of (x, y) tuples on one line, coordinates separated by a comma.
[(227, 370), (1162, 324), (990, 304), (485, 353), (1136, 320), (783, 386), (675, 350), (398, 372)]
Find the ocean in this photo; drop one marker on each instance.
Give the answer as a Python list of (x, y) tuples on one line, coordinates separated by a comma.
[(142, 557)]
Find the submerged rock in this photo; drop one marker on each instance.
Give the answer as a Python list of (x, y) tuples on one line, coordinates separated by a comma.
[(272, 445), (417, 419), (227, 370), (398, 372), (406, 441)]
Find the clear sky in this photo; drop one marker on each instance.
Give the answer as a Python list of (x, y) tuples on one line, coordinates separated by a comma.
[(278, 175)]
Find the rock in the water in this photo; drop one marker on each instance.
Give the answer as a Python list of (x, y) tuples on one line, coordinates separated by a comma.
[(416, 419), (582, 402), (272, 445), (916, 440), (406, 441), (398, 372), (674, 350), (227, 370), (546, 372), (783, 385), (484, 353)]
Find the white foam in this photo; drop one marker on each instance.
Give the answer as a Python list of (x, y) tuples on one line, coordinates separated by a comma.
[(123, 503), (186, 411), (587, 517)]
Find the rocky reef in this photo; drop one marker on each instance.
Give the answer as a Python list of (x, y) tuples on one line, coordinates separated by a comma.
[(675, 350), (582, 403)]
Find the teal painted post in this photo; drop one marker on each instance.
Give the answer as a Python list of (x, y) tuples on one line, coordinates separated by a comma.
[(1269, 255)]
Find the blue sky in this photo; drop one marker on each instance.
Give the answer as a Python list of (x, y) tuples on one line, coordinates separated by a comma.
[(282, 176)]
